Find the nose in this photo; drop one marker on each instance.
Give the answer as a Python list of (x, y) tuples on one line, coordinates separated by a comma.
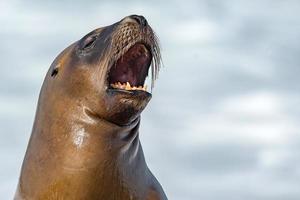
[(139, 19)]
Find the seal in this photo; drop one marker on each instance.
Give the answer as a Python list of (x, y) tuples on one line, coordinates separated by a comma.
[(85, 137)]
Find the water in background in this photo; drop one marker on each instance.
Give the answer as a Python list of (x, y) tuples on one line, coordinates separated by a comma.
[(224, 119)]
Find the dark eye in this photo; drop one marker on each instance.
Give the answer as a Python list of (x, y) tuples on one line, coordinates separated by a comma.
[(89, 42), (54, 72)]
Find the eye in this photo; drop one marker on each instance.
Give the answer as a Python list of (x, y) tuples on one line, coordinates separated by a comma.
[(54, 72), (89, 42)]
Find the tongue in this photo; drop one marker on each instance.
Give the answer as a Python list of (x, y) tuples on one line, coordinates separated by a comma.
[(132, 67)]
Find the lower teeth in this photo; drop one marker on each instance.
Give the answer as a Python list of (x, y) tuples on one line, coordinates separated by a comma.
[(127, 86)]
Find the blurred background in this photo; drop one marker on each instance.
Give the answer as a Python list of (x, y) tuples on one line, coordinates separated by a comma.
[(223, 122)]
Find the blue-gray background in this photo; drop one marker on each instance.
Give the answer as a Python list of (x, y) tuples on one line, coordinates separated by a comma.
[(224, 119)]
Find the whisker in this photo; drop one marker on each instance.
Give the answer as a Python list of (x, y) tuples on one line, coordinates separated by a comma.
[(118, 47)]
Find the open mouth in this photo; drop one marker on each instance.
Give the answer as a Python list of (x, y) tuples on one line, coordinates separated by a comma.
[(131, 69)]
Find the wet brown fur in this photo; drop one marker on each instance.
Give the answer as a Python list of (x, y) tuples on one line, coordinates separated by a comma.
[(85, 138)]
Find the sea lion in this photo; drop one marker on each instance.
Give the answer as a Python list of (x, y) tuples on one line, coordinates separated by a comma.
[(85, 138)]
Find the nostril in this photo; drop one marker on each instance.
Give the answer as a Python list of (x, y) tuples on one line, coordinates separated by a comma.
[(140, 19)]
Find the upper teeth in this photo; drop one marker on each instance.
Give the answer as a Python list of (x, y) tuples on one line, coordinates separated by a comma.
[(127, 86)]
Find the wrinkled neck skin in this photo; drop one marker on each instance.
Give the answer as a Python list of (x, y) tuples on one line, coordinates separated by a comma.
[(74, 154)]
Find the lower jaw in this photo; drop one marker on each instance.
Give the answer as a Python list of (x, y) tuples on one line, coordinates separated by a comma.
[(127, 91), (134, 95)]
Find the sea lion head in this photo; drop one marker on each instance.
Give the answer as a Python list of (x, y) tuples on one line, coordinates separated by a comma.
[(104, 72)]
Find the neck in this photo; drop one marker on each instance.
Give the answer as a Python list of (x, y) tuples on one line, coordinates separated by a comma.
[(77, 154)]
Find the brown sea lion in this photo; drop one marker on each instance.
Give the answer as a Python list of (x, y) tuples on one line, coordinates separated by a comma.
[(85, 138)]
